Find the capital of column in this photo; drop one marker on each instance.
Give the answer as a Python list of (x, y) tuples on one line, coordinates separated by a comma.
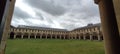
[(97, 1)]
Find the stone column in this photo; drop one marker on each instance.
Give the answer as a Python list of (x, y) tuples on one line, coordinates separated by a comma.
[(28, 36), (51, 36), (99, 38), (56, 36), (84, 37), (91, 37), (64, 36), (117, 11), (35, 36), (46, 36), (41, 36), (60, 36), (71, 36), (14, 36), (79, 37), (21, 36), (74, 36), (109, 26), (5, 22)]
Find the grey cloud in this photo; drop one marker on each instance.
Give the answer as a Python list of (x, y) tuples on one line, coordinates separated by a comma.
[(15, 22), (48, 7), (42, 18), (88, 9), (68, 26), (68, 14), (67, 3), (18, 13), (40, 15)]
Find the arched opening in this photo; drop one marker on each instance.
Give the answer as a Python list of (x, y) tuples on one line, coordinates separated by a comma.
[(25, 36), (48, 36), (101, 36), (32, 35), (77, 36), (53, 36), (58, 36), (62, 36), (66, 37), (18, 35), (43, 36), (81, 35), (38, 36), (74, 37), (12, 35), (87, 36), (95, 36)]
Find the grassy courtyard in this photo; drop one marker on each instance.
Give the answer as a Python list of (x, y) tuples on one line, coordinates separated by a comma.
[(55, 46)]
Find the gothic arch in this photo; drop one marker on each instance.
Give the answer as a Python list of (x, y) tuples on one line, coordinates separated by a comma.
[(25, 35), (87, 35), (18, 34), (12, 35), (38, 35), (32, 35), (95, 34)]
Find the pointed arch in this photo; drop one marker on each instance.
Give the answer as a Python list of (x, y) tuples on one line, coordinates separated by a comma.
[(12, 35)]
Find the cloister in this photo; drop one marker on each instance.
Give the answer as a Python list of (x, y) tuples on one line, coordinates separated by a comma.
[(110, 22), (92, 32)]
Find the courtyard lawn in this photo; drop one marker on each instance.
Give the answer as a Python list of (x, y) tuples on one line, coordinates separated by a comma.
[(53, 46)]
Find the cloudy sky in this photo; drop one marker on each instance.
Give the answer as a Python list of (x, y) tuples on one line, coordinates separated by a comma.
[(63, 14)]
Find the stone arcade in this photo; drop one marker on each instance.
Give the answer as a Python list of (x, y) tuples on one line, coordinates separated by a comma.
[(91, 32)]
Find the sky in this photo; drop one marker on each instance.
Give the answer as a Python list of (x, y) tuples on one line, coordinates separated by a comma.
[(62, 14)]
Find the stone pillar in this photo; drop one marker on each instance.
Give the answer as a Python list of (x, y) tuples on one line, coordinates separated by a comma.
[(74, 36), (14, 36), (35, 36), (117, 11), (46, 36), (21, 36), (64, 36), (91, 37), (60, 36), (79, 37), (109, 26), (98, 37), (40, 36), (28, 36), (51, 36), (84, 37), (5, 22)]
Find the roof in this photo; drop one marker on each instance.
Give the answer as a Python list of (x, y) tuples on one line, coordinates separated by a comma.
[(40, 28), (55, 29), (89, 26)]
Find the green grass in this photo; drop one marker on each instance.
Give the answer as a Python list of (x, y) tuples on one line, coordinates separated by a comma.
[(47, 46)]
